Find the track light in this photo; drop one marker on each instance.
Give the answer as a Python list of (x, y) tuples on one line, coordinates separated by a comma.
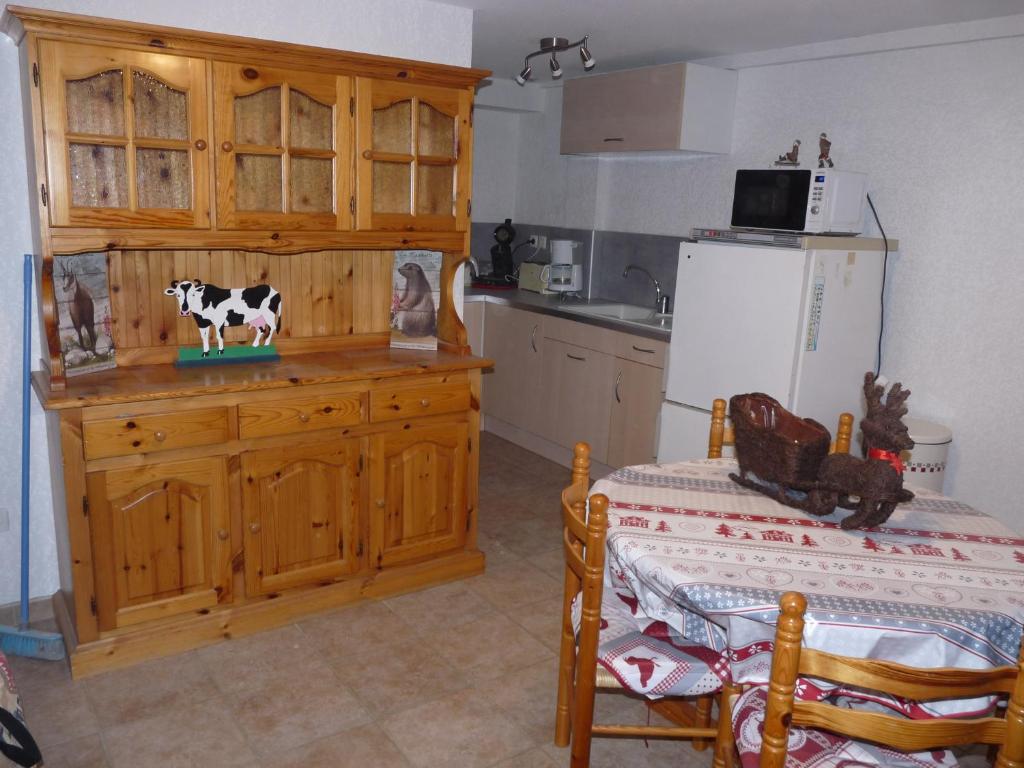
[(555, 45), (556, 69)]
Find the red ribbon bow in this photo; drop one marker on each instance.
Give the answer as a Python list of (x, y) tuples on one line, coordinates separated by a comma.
[(892, 458)]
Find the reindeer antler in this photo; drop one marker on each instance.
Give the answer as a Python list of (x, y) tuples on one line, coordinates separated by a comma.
[(895, 402), (873, 395)]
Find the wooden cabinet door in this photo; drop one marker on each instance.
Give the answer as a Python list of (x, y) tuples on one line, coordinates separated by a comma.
[(300, 514), (414, 155), (161, 541), (577, 386), (514, 340), (126, 137), (636, 403), (283, 146), (418, 493)]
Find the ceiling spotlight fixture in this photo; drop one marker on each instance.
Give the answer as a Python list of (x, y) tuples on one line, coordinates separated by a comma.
[(555, 45)]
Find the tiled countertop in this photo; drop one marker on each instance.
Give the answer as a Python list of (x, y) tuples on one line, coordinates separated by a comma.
[(554, 304)]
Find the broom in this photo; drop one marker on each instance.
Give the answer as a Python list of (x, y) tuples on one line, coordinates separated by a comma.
[(20, 640)]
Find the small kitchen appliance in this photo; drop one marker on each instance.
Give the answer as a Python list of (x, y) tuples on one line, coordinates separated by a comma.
[(561, 251), (821, 201), (502, 266), (563, 278), (530, 277)]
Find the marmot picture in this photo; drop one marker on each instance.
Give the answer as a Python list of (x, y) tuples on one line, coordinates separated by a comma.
[(417, 314)]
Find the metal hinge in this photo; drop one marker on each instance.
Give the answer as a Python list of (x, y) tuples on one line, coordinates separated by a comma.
[(469, 207), (469, 518), (469, 444), (360, 469), (472, 111), (359, 550), (92, 605), (85, 506), (352, 106), (44, 195), (352, 205), (35, 74)]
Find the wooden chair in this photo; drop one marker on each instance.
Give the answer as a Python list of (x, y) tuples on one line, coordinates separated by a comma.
[(579, 672), (790, 660), (722, 434)]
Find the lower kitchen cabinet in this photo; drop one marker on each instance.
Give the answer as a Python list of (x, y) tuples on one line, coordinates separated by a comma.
[(160, 540), (514, 339), (300, 514), (418, 488), (635, 406)]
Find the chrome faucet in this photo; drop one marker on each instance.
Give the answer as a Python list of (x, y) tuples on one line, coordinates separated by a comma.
[(474, 266), (660, 302)]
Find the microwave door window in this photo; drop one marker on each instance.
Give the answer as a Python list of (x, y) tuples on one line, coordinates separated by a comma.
[(771, 199)]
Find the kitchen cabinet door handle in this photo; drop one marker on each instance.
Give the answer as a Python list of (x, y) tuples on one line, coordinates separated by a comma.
[(645, 351), (618, 382), (160, 436), (200, 144), (222, 535), (614, 138), (574, 357), (533, 338), (304, 418), (254, 527)]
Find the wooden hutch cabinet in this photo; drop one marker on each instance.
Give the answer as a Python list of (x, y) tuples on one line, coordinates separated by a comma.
[(207, 503)]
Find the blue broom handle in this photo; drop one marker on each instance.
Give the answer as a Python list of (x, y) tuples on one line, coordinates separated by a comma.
[(26, 362)]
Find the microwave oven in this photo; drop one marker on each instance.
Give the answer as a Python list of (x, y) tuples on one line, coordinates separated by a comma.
[(816, 201)]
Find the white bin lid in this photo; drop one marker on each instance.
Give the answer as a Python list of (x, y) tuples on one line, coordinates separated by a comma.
[(928, 432)]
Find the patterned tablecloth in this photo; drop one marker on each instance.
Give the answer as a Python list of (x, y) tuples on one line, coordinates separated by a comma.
[(940, 584)]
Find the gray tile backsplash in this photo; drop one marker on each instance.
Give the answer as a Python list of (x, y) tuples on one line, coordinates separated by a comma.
[(604, 255)]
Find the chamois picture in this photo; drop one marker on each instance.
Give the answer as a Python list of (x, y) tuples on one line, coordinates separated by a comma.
[(83, 312)]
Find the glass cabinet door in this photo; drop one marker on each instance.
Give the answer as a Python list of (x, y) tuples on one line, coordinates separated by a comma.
[(125, 137), (413, 168), (282, 149)]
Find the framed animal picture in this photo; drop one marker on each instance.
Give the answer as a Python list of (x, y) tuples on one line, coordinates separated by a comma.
[(416, 286), (83, 312)]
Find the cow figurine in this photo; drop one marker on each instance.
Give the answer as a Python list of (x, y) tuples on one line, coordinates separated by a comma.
[(211, 306)]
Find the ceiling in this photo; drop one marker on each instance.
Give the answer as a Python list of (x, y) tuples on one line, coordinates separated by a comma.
[(631, 33)]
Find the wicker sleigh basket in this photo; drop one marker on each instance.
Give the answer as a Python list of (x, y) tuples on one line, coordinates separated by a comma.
[(774, 444)]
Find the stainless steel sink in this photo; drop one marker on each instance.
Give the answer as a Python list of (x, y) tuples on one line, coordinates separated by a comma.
[(626, 313)]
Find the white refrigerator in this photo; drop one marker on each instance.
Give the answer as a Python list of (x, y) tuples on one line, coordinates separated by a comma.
[(800, 325)]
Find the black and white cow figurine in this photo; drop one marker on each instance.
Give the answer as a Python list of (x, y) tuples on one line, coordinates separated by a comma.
[(258, 307)]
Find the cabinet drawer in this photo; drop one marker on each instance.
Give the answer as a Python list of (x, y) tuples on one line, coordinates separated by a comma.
[(299, 415), (641, 350), (155, 432), (426, 400)]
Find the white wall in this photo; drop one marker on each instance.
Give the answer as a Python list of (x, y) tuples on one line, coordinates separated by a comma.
[(495, 163), (938, 129), (413, 29)]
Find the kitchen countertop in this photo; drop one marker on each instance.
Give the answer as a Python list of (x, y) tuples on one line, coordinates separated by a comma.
[(554, 304)]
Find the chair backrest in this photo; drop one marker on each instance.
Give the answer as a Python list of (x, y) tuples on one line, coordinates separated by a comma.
[(723, 434), (790, 661)]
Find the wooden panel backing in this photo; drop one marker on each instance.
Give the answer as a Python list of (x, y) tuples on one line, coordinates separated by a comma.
[(325, 294)]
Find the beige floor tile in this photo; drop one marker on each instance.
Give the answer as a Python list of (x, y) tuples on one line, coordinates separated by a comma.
[(237, 666), (148, 689), (354, 629), (463, 730), (488, 648), (287, 713), (528, 697), (533, 758), (552, 561), (497, 553), (360, 747), (530, 538), (394, 676), (635, 753), (30, 674), (511, 586), (57, 715), (86, 752), (448, 605), (542, 619), (194, 736)]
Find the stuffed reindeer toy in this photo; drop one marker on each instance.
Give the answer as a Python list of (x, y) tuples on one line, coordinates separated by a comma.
[(877, 481)]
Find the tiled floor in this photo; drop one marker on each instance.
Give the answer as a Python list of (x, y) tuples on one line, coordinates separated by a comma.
[(460, 675)]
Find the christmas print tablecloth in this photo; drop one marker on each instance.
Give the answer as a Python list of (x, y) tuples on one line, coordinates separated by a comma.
[(940, 584)]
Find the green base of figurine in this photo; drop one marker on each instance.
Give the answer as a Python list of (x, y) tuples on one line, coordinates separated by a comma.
[(192, 357)]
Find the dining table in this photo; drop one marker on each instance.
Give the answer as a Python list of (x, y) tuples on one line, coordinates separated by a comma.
[(939, 584)]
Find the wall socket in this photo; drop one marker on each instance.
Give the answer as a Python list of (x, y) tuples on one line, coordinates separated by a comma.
[(5, 520), (541, 241)]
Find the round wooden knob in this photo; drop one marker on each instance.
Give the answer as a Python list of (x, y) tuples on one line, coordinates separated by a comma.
[(367, 154), (304, 418), (380, 503), (159, 436), (222, 535), (254, 527), (424, 402), (200, 145), (227, 146)]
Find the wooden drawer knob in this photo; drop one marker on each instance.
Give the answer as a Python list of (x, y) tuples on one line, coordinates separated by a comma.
[(227, 146), (200, 145), (254, 527), (304, 418), (159, 436), (425, 402), (222, 535), (380, 503)]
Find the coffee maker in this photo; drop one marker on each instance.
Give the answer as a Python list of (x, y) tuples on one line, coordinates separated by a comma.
[(561, 275), (502, 266)]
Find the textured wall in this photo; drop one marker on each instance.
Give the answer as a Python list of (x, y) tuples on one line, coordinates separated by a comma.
[(937, 128), (413, 29)]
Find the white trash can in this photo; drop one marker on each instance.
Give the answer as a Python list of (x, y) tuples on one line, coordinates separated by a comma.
[(925, 464)]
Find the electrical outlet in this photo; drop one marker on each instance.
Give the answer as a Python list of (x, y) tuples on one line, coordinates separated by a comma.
[(541, 241), (5, 520)]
